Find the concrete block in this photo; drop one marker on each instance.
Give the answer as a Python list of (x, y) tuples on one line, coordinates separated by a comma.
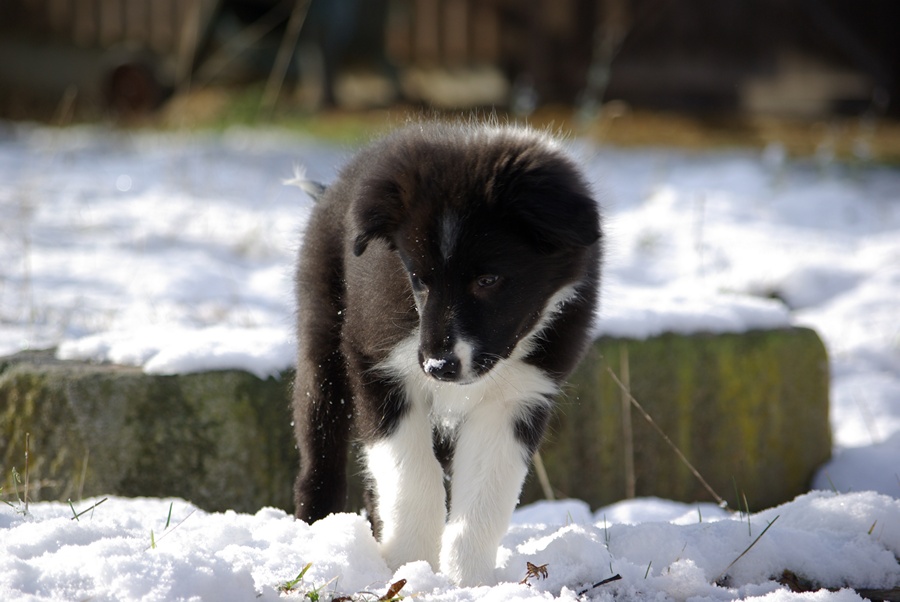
[(220, 439), (749, 410)]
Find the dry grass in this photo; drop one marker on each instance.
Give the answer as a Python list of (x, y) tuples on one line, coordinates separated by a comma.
[(847, 138), (844, 137)]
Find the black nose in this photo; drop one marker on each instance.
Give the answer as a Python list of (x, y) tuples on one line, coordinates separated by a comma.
[(446, 367)]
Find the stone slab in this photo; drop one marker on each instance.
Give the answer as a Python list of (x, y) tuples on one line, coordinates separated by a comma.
[(749, 410)]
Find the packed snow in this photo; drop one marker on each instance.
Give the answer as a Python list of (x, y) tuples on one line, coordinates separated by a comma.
[(174, 252)]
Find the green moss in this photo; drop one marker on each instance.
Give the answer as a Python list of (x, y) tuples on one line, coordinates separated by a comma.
[(218, 439), (32, 405), (748, 408)]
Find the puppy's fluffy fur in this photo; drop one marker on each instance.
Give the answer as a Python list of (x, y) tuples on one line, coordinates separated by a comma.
[(446, 284)]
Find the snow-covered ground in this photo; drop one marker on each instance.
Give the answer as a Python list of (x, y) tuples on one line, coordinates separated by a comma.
[(174, 253)]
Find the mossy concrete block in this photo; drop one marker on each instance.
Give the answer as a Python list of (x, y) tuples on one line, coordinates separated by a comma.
[(749, 411), (220, 439)]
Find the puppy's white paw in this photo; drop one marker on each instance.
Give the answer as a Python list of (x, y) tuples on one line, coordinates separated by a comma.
[(465, 558), (398, 551)]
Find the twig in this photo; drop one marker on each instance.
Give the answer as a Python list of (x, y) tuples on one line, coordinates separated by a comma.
[(27, 443), (176, 526), (665, 437), (66, 107), (543, 479), (189, 41), (627, 432), (615, 577), (83, 512), (84, 465), (747, 511), (237, 44), (285, 51), (607, 41), (867, 419)]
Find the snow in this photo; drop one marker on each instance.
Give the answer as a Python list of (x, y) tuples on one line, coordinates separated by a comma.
[(174, 252), (431, 364), (155, 549)]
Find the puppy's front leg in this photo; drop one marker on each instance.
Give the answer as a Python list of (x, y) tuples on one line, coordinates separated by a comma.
[(489, 465), (409, 487)]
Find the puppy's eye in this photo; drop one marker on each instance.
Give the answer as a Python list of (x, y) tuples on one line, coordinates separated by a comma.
[(487, 281)]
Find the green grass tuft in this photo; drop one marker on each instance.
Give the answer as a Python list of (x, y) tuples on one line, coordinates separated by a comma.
[(289, 586)]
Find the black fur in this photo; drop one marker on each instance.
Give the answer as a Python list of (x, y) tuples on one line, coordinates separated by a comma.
[(371, 271)]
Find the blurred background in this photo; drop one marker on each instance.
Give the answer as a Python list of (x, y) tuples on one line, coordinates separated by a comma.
[(626, 70), (128, 242)]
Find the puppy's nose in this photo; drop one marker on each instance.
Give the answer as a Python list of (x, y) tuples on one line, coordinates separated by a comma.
[(446, 367)]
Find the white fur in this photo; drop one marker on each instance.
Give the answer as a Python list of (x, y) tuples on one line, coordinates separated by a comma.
[(489, 466), (314, 189), (409, 482), (489, 463), (551, 309), (463, 350)]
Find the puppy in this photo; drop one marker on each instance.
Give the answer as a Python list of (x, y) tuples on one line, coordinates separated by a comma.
[(447, 284)]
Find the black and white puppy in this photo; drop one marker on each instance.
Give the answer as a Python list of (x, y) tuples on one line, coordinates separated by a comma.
[(447, 284)]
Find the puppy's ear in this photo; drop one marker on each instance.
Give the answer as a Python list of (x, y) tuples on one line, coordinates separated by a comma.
[(553, 206), (377, 213), (559, 219)]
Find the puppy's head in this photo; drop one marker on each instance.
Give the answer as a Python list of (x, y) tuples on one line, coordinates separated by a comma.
[(495, 228)]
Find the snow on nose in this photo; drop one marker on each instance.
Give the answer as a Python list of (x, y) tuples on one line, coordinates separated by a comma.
[(446, 368)]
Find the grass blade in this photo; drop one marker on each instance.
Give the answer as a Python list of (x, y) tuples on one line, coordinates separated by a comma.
[(758, 537), (83, 512), (74, 514)]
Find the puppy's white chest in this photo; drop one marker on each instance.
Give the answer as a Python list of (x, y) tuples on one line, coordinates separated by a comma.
[(512, 384), (448, 404)]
